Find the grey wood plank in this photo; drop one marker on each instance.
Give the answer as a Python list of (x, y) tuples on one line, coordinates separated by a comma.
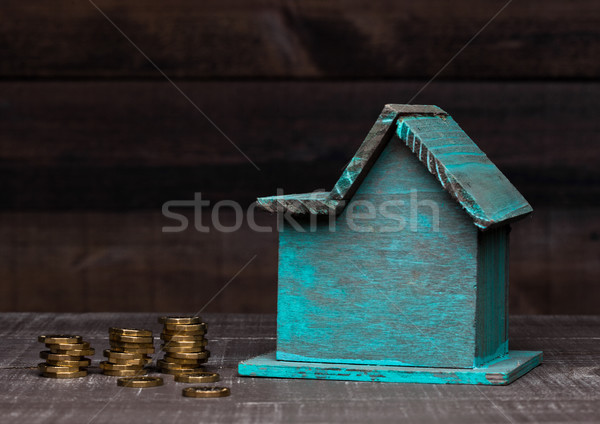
[(566, 388)]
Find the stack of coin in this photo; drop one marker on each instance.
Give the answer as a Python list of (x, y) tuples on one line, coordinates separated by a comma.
[(129, 352), (184, 344), (65, 357)]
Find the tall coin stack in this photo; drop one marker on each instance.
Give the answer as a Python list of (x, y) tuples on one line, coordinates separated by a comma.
[(129, 352), (184, 344), (65, 357)]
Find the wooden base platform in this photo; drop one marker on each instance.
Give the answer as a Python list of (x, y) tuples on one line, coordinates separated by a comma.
[(501, 372)]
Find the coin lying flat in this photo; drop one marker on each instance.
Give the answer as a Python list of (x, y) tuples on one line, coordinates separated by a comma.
[(140, 362), (205, 392), (148, 345), (44, 367), (169, 358), (59, 339), (46, 354), (130, 339), (72, 352), (83, 352), (146, 351), (174, 366), (176, 372), (180, 320), (140, 382), (182, 337), (83, 362), (105, 365), (124, 373), (135, 332), (75, 374), (190, 355), (184, 328), (68, 346), (123, 355), (197, 377), (195, 343)]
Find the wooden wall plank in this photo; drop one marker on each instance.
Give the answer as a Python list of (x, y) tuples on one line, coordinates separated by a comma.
[(113, 262), (309, 39), (47, 259), (124, 145)]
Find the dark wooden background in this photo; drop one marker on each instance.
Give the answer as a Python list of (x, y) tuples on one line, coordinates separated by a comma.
[(93, 140)]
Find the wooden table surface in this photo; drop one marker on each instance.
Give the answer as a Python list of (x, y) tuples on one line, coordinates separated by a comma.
[(565, 388)]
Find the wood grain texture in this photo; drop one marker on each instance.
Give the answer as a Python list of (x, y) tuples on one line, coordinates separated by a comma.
[(565, 389), (491, 316), (463, 170), (327, 203), (99, 146), (83, 262), (554, 263), (445, 150), (504, 371), (374, 143), (394, 284), (262, 39)]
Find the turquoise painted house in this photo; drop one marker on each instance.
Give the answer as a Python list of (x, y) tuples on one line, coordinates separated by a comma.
[(400, 272)]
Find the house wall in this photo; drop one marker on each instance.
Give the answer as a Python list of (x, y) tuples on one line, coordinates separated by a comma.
[(375, 291), (492, 294)]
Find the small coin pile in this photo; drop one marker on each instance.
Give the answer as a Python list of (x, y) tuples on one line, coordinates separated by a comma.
[(129, 352), (66, 357), (184, 344)]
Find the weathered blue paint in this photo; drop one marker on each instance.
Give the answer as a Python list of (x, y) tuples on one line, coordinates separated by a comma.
[(427, 303), (461, 168), (492, 294), (501, 372), (403, 297)]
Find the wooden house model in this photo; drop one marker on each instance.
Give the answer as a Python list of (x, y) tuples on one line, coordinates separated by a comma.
[(400, 272)]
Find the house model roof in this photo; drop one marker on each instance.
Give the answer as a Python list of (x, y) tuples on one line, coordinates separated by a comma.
[(460, 167)]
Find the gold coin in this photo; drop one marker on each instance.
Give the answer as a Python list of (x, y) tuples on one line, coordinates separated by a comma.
[(46, 354), (171, 349), (198, 377), (147, 345), (59, 339), (140, 382), (84, 362), (176, 372), (196, 343), (180, 320), (68, 346), (130, 332), (124, 373), (206, 392), (183, 337), (75, 374), (111, 354), (141, 362), (172, 333), (130, 339), (184, 328), (146, 351), (172, 360), (173, 366), (44, 367), (109, 366), (190, 355), (84, 352)]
